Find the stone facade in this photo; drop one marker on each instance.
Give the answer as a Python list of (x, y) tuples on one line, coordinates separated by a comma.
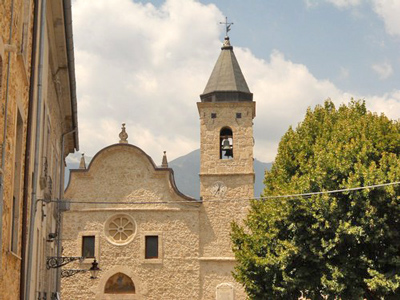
[(123, 201), (226, 185), (31, 155), (14, 99), (242, 128), (125, 176), (122, 180)]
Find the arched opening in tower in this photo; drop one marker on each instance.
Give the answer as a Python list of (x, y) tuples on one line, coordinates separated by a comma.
[(226, 143)]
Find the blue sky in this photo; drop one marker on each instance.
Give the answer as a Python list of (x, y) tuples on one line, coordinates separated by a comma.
[(145, 63), (339, 43)]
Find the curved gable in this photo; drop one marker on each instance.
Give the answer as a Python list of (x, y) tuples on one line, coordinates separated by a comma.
[(124, 172)]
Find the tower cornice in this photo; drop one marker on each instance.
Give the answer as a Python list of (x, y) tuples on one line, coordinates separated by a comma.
[(213, 105)]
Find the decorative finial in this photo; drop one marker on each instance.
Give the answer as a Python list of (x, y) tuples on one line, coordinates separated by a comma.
[(82, 164), (227, 26), (226, 44), (164, 163), (123, 135)]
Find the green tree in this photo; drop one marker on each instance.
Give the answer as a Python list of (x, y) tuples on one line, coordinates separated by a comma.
[(344, 245)]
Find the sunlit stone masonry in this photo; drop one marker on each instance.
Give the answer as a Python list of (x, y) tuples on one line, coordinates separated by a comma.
[(150, 240)]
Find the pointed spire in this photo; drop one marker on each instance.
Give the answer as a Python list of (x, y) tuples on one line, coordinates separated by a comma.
[(164, 163), (226, 83), (123, 135), (82, 164)]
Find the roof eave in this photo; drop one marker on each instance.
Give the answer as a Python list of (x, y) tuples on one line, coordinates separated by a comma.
[(71, 68)]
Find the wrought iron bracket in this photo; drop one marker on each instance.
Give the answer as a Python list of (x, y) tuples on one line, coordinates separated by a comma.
[(54, 262), (71, 272)]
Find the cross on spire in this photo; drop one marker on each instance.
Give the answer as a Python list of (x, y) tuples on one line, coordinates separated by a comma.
[(227, 25)]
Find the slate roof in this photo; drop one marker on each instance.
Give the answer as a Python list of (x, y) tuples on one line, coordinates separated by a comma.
[(226, 83)]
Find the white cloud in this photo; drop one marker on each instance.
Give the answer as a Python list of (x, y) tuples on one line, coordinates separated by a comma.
[(384, 70), (389, 104), (345, 3), (389, 11), (337, 3), (146, 66)]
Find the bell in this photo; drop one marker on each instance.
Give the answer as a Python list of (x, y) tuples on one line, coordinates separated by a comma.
[(227, 148), (228, 153), (226, 145)]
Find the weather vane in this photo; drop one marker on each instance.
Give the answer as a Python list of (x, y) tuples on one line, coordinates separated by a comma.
[(227, 25)]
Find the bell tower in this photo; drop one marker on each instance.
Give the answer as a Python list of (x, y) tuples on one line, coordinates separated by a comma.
[(226, 115)]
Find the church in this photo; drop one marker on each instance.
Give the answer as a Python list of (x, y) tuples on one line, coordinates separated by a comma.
[(150, 240)]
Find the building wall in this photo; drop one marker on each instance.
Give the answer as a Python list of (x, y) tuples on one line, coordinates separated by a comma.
[(49, 124), (14, 68), (54, 119), (124, 175), (178, 230), (243, 141), (197, 260), (226, 187), (218, 211), (216, 273)]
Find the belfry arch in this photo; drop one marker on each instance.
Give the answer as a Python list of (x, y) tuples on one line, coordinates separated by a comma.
[(226, 143)]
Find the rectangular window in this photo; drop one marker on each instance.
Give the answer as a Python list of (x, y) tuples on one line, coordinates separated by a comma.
[(151, 246), (88, 246)]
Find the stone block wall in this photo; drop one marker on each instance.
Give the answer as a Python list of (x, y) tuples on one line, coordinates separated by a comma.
[(216, 274), (15, 68), (125, 175), (226, 187), (178, 232), (219, 211), (14, 98), (242, 128)]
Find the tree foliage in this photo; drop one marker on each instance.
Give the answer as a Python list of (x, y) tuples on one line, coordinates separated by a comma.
[(344, 245)]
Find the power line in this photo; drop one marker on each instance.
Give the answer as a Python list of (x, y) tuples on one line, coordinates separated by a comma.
[(332, 192), (198, 201)]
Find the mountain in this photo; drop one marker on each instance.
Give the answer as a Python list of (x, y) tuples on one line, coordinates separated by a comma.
[(259, 170), (186, 172), (187, 168)]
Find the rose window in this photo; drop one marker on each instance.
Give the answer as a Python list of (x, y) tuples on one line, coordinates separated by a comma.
[(120, 229)]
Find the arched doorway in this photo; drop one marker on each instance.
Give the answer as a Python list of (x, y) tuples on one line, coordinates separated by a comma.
[(119, 283)]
